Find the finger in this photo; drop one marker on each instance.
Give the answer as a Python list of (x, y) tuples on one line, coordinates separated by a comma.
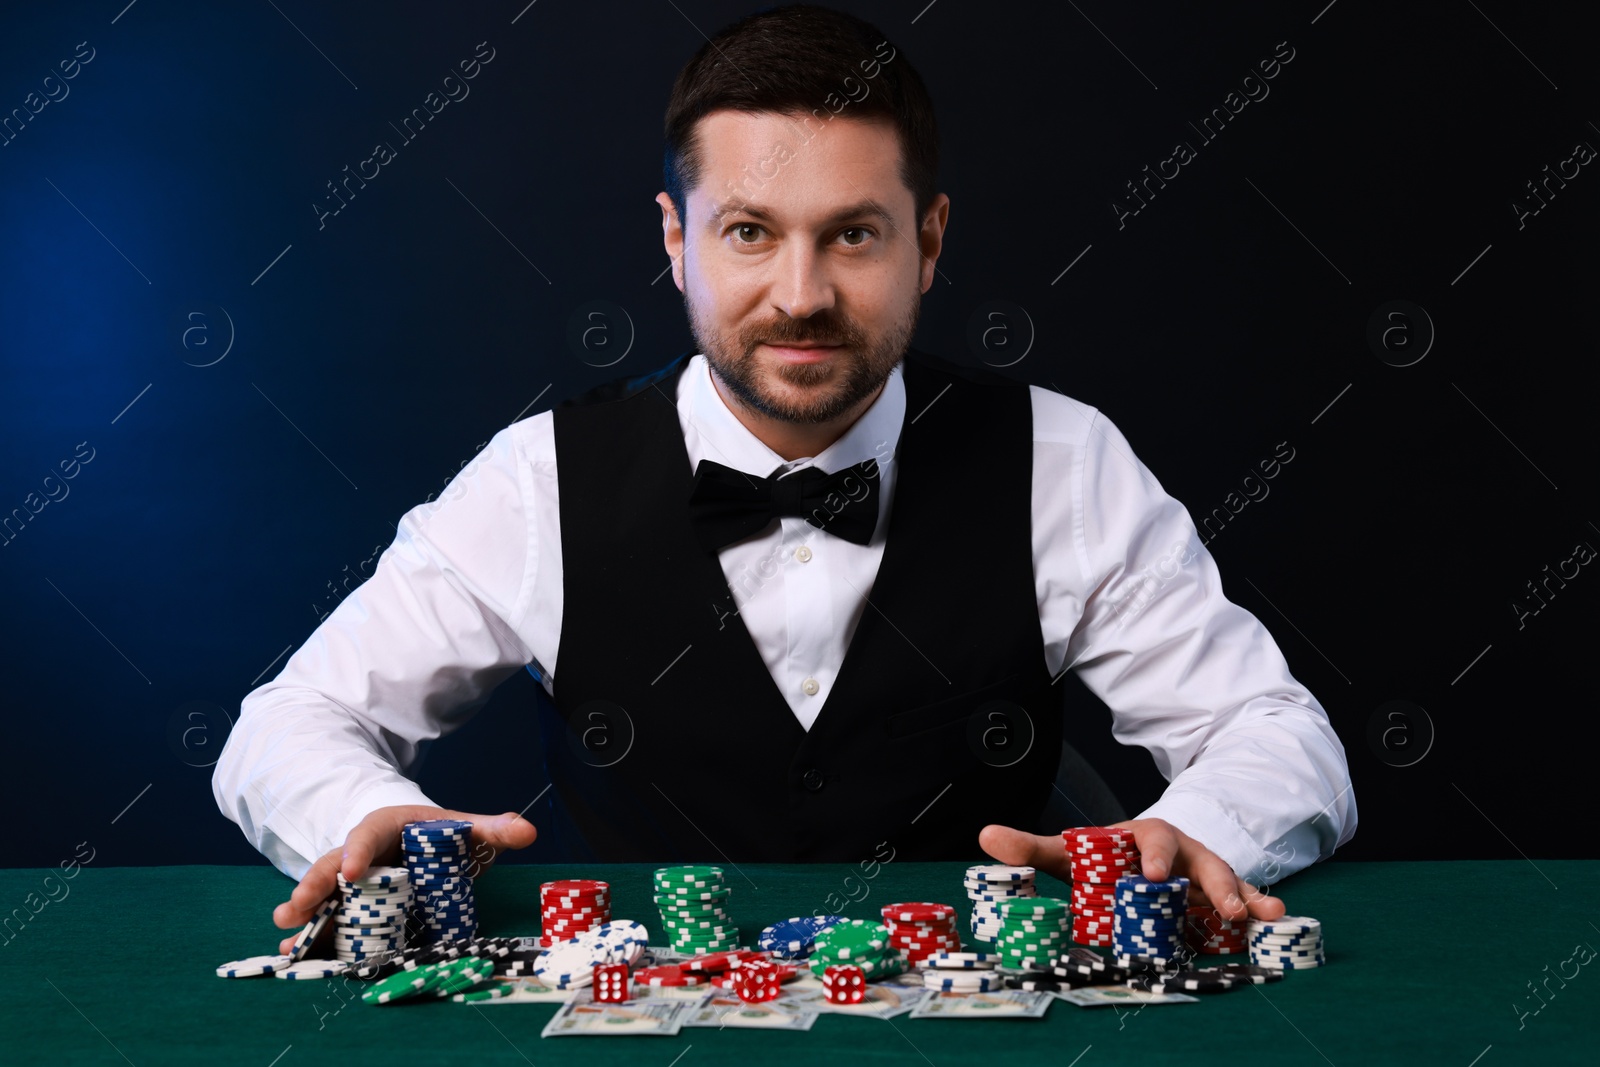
[(1217, 881), (1017, 848), (494, 834), (1158, 847), (1262, 905), (317, 885), (370, 838)]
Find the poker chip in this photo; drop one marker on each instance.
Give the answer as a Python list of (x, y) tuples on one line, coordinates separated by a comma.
[(918, 930), (795, 938), (1208, 980), (253, 966), (494, 992), (1252, 974), (372, 914), (860, 943), (962, 960), (989, 886), (963, 982), (1149, 918), (1288, 943), (1099, 856), (572, 906), (1206, 932), (1032, 931), (395, 987), (302, 969), (308, 935), (439, 864), (668, 975), (570, 964), (690, 901)]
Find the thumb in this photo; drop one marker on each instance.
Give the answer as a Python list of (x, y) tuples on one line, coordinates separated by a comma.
[(508, 830), (1014, 848)]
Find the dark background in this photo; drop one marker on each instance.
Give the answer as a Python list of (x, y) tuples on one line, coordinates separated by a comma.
[(231, 500)]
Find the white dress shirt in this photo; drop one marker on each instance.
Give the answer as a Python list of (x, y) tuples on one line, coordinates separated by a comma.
[(471, 591)]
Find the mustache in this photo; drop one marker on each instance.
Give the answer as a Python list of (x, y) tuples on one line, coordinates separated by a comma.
[(813, 337)]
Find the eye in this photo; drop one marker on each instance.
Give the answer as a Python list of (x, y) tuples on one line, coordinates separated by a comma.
[(739, 227), (862, 230)]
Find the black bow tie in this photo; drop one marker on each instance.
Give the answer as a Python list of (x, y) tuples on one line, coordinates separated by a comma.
[(728, 505)]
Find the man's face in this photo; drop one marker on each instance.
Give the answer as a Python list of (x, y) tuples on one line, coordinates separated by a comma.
[(787, 243)]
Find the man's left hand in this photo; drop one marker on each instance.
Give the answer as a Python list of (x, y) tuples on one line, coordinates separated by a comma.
[(1164, 852)]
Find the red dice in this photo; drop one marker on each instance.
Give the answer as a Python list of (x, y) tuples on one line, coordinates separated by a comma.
[(610, 983), (844, 984), (756, 981)]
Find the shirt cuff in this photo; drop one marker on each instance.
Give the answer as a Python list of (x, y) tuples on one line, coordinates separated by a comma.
[(1203, 820)]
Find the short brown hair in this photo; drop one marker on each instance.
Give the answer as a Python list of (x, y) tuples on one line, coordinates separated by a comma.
[(806, 59)]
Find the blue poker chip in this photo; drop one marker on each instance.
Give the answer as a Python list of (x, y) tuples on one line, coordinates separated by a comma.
[(795, 938)]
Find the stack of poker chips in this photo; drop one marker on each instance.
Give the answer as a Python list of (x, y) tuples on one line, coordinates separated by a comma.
[(691, 902), (1291, 943), (1150, 920), (989, 886), (794, 939), (860, 943), (438, 857), (1100, 855), (919, 930), (372, 914), (572, 906), (1209, 934), (570, 964), (1033, 931), (962, 972)]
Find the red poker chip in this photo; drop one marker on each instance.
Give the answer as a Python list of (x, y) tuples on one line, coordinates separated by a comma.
[(917, 912), (714, 962), (669, 975), (575, 885), (1095, 833), (1099, 856)]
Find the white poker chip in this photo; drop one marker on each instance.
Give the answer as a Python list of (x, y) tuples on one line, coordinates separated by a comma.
[(253, 966), (303, 942), (962, 961), (301, 969)]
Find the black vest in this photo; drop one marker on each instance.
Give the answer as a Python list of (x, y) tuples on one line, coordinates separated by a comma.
[(668, 739)]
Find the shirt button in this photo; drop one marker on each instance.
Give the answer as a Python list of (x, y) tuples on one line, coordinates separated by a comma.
[(810, 687), (803, 554)]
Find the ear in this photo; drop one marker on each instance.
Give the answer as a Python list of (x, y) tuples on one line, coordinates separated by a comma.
[(930, 239), (672, 236)]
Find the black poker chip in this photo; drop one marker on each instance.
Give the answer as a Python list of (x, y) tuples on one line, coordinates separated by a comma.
[(1254, 975), (1206, 980)]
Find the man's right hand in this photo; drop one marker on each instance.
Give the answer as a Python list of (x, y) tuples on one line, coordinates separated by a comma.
[(375, 841)]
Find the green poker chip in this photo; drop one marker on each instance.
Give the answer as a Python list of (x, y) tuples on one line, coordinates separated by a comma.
[(395, 987), (494, 992)]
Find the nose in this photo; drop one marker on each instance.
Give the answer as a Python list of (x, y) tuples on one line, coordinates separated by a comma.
[(802, 286)]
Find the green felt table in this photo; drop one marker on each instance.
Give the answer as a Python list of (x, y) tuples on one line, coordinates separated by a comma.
[(1428, 963)]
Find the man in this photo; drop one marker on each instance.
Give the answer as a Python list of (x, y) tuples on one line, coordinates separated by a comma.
[(793, 580)]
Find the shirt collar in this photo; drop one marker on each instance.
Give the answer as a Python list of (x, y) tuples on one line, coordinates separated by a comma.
[(711, 431)]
